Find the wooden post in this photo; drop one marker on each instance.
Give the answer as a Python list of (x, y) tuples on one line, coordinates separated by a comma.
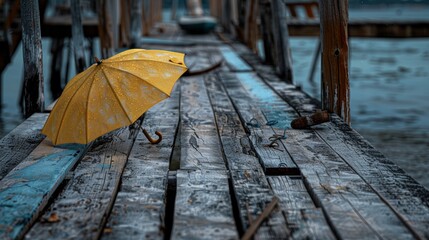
[(174, 9), (267, 30), (136, 22), (335, 78), (124, 39), (104, 29), (281, 40), (32, 52), (77, 36)]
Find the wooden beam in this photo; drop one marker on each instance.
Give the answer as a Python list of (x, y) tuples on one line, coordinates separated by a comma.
[(335, 55), (136, 22), (77, 36), (281, 40), (32, 51)]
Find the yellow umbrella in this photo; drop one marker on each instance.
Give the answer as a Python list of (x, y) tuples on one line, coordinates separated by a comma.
[(113, 93)]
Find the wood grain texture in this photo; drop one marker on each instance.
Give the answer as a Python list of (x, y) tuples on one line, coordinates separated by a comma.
[(335, 55), (16, 145), (199, 138), (82, 208), (25, 191), (139, 208), (350, 204), (253, 193), (235, 143), (251, 189), (398, 189), (274, 160), (203, 207), (32, 51), (308, 224), (291, 192)]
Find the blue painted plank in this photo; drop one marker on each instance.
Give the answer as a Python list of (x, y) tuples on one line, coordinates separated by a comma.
[(277, 112), (25, 191), (234, 62)]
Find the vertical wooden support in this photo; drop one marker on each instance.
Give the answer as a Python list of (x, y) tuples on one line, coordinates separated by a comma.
[(136, 22), (32, 52), (77, 36), (104, 29), (124, 38), (335, 78), (251, 30), (114, 10), (174, 7), (145, 19), (265, 12), (281, 40)]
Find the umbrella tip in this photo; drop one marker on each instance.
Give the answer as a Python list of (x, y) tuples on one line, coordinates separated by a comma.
[(98, 61)]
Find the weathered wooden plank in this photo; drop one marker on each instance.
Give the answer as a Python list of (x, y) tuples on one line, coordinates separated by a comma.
[(199, 137), (399, 190), (203, 207), (353, 208), (25, 191), (250, 186), (308, 224), (299, 100), (335, 56), (253, 193), (140, 204), (291, 192), (82, 208), (235, 143), (234, 62), (16, 145), (304, 220), (275, 109), (274, 160)]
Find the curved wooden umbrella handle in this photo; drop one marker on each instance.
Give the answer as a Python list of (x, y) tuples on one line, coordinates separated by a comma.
[(151, 140)]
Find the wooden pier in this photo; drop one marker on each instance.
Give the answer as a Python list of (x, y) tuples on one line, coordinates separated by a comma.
[(228, 162)]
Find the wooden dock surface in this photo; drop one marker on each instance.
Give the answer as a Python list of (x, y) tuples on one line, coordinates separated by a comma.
[(228, 151)]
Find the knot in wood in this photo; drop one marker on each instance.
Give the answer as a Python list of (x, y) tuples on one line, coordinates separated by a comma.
[(337, 52)]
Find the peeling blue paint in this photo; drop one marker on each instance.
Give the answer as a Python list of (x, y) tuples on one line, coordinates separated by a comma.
[(275, 110), (234, 61), (24, 192)]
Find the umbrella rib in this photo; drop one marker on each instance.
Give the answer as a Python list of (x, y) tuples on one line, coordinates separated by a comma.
[(116, 96), (87, 109), (68, 104), (148, 60)]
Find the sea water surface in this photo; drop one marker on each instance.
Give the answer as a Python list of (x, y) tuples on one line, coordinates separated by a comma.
[(389, 81)]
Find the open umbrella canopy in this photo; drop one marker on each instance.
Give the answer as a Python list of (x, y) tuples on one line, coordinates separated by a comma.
[(112, 93)]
